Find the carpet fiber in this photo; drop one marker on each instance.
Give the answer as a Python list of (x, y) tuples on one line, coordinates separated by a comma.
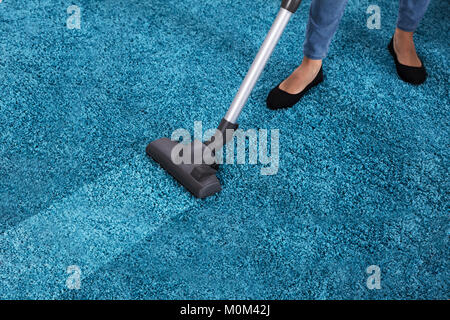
[(364, 158)]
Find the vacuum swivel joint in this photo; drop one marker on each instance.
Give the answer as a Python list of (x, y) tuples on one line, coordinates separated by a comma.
[(291, 5)]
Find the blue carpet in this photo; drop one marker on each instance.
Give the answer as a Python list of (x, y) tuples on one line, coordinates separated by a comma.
[(364, 158)]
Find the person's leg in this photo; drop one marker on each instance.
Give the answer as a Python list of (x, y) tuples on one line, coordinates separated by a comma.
[(410, 14), (324, 18)]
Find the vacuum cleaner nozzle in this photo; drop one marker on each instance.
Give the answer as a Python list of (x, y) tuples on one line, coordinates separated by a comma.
[(199, 179)]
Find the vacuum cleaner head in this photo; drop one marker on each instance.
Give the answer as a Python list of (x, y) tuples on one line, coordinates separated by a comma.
[(199, 179)]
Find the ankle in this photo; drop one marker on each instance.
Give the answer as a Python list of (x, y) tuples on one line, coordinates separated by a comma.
[(310, 63), (401, 35), (403, 41), (311, 67)]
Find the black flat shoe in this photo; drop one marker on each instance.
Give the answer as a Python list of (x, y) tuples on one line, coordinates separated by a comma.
[(413, 75), (279, 99)]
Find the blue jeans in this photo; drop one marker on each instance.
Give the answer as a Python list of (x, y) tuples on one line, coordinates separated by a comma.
[(325, 15)]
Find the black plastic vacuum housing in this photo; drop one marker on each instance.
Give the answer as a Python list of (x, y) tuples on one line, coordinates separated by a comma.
[(199, 178)]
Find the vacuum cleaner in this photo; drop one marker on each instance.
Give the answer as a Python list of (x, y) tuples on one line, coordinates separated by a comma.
[(198, 174)]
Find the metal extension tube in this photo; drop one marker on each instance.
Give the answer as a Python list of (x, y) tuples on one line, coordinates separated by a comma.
[(258, 65)]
